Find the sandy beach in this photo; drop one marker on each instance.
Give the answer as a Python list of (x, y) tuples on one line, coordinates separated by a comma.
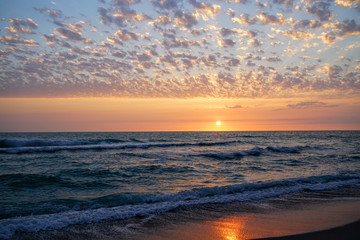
[(297, 216), (272, 224), (349, 231)]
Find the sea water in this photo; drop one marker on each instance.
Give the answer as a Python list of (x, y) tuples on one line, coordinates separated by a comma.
[(53, 180)]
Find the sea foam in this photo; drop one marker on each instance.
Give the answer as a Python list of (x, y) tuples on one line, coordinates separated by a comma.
[(156, 204)]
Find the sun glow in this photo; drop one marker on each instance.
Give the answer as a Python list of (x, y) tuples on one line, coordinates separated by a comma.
[(218, 123)]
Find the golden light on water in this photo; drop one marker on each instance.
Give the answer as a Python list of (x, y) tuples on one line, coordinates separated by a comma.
[(232, 228)]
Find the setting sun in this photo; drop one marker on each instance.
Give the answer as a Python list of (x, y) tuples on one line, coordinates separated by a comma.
[(218, 123)]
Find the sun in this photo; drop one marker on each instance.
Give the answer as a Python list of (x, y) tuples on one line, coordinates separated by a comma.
[(218, 123)]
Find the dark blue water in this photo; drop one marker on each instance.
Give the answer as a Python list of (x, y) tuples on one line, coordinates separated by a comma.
[(53, 180)]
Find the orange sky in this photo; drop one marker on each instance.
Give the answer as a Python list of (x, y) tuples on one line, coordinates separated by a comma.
[(199, 114)]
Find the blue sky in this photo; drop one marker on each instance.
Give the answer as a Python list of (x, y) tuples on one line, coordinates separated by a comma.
[(179, 49)]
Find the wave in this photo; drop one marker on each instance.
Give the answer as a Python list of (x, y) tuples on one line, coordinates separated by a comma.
[(16, 143), (147, 204), (296, 149), (12, 146), (21, 146), (256, 151), (32, 181)]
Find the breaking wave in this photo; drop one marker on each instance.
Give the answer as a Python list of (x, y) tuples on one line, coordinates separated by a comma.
[(20, 146), (152, 204), (35, 145)]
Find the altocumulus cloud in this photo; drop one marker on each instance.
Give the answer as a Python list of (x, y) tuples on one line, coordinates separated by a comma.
[(182, 49)]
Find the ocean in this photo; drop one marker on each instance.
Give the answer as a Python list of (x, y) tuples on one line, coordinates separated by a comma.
[(50, 181)]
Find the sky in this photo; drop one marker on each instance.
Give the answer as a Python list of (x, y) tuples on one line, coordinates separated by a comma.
[(179, 65)]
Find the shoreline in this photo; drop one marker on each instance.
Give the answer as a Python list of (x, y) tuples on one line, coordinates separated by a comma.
[(292, 216), (350, 231), (267, 223)]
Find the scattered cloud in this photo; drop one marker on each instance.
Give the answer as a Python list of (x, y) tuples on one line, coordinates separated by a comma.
[(321, 10), (226, 42), (348, 3), (166, 4), (296, 35), (278, 19), (123, 35), (19, 26), (314, 104), (206, 9), (330, 70), (185, 19), (13, 41), (185, 48), (53, 13), (235, 106)]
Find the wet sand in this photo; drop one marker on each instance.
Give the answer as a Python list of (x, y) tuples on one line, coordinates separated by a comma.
[(294, 214), (349, 231), (273, 223)]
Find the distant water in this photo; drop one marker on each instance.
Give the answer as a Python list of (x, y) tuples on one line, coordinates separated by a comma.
[(53, 180)]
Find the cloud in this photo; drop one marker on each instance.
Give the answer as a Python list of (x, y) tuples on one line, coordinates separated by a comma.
[(226, 42), (272, 59), (123, 35), (330, 70), (266, 18), (168, 59), (163, 20), (288, 3), (158, 48), (321, 10), (166, 4), (80, 51), (250, 56), (66, 56), (208, 60), (255, 42), (187, 63), (296, 34), (177, 43), (313, 104), (125, 2), (234, 107), (233, 62), (120, 16), (328, 38), (53, 13), (239, 1), (226, 79), (143, 57), (183, 55), (244, 19), (196, 32), (119, 54), (224, 32), (17, 26), (52, 40), (13, 41), (206, 9), (347, 28), (128, 15), (348, 3), (79, 26), (69, 34), (105, 18), (312, 24), (185, 19)]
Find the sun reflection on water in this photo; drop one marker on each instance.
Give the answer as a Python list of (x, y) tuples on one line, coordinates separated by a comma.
[(232, 227)]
